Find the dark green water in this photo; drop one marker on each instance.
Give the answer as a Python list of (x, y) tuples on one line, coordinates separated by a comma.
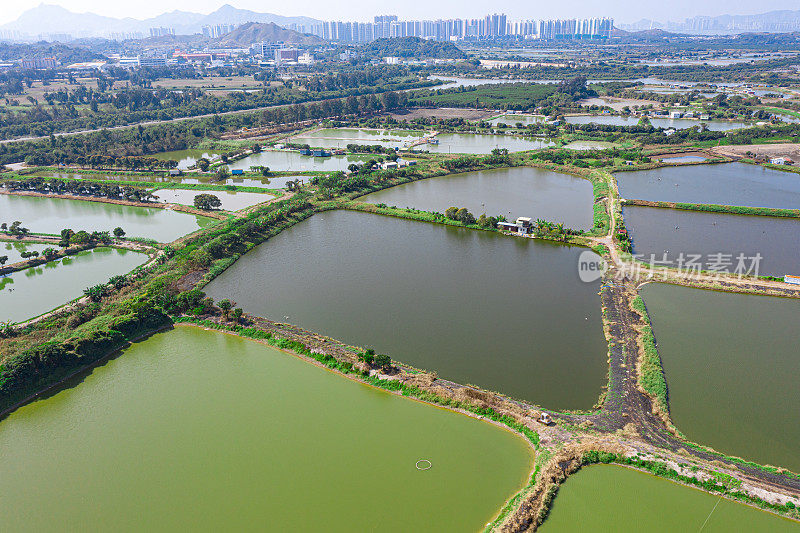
[(193, 430), (33, 291), (732, 368), (727, 184), (511, 192), (613, 498), (671, 231), (506, 313), (51, 215)]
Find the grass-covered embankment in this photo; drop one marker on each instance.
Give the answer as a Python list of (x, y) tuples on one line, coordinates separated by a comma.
[(719, 208), (651, 373)]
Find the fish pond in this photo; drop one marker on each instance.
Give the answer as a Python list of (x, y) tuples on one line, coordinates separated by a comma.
[(28, 293), (671, 232), (13, 250), (186, 158), (726, 183), (675, 123), (505, 313), (732, 369), (614, 498), (473, 143), (341, 137), (51, 215), (231, 200), (288, 161), (202, 431), (511, 192)]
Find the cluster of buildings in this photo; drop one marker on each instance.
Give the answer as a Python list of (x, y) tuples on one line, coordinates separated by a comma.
[(490, 27), (161, 32), (212, 32)]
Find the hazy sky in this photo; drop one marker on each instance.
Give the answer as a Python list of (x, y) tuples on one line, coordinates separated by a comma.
[(621, 10)]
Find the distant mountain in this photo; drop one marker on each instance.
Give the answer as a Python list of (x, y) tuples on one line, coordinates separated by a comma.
[(48, 19), (228, 14), (255, 32), (771, 22)]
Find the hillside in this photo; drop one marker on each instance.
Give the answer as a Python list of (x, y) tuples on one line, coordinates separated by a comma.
[(46, 18), (254, 32), (413, 47)]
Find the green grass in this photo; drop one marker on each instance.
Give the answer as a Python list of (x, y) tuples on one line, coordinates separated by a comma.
[(506, 95), (726, 209), (651, 375)]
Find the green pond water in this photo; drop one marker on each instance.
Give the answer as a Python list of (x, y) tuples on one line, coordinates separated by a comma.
[(51, 215), (511, 192), (505, 313), (614, 498), (13, 249), (28, 293), (728, 184), (231, 200), (732, 369), (193, 430)]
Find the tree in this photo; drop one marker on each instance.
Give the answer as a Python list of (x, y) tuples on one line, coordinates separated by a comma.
[(383, 361), (96, 293), (118, 281), (3, 259), (207, 202), (222, 173), (225, 305), (464, 216), (82, 237), (237, 314), (66, 236), (119, 232), (203, 164)]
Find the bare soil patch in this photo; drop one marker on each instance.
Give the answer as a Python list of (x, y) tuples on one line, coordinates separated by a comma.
[(790, 150)]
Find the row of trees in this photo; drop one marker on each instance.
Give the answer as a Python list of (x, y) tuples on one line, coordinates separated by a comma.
[(81, 188), (141, 141), (139, 105)]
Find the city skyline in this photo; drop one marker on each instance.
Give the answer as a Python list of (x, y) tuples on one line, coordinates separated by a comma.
[(625, 11)]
